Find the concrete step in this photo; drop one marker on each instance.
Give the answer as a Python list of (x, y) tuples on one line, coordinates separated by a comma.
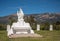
[(24, 35)]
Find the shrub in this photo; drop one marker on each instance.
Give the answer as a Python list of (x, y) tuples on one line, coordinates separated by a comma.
[(2, 27), (33, 26), (56, 27), (44, 27)]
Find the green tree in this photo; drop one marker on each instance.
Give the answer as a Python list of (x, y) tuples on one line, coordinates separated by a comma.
[(11, 20), (32, 21)]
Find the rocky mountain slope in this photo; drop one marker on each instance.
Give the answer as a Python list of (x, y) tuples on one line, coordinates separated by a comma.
[(39, 18)]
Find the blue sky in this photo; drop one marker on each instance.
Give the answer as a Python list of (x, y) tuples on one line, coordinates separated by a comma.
[(8, 7)]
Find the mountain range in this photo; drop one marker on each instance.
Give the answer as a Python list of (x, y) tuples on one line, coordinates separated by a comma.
[(39, 18)]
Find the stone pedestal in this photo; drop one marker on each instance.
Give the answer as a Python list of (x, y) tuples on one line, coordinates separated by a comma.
[(38, 27), (8, 27), (51, 28)]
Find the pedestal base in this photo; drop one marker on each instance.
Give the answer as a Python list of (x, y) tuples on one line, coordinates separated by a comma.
[(24, 35)]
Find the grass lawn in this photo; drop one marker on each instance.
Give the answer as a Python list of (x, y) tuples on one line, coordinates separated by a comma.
[(47, 36)]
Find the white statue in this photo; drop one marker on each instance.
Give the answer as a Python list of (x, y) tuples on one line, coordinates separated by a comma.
[(20, 26)]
